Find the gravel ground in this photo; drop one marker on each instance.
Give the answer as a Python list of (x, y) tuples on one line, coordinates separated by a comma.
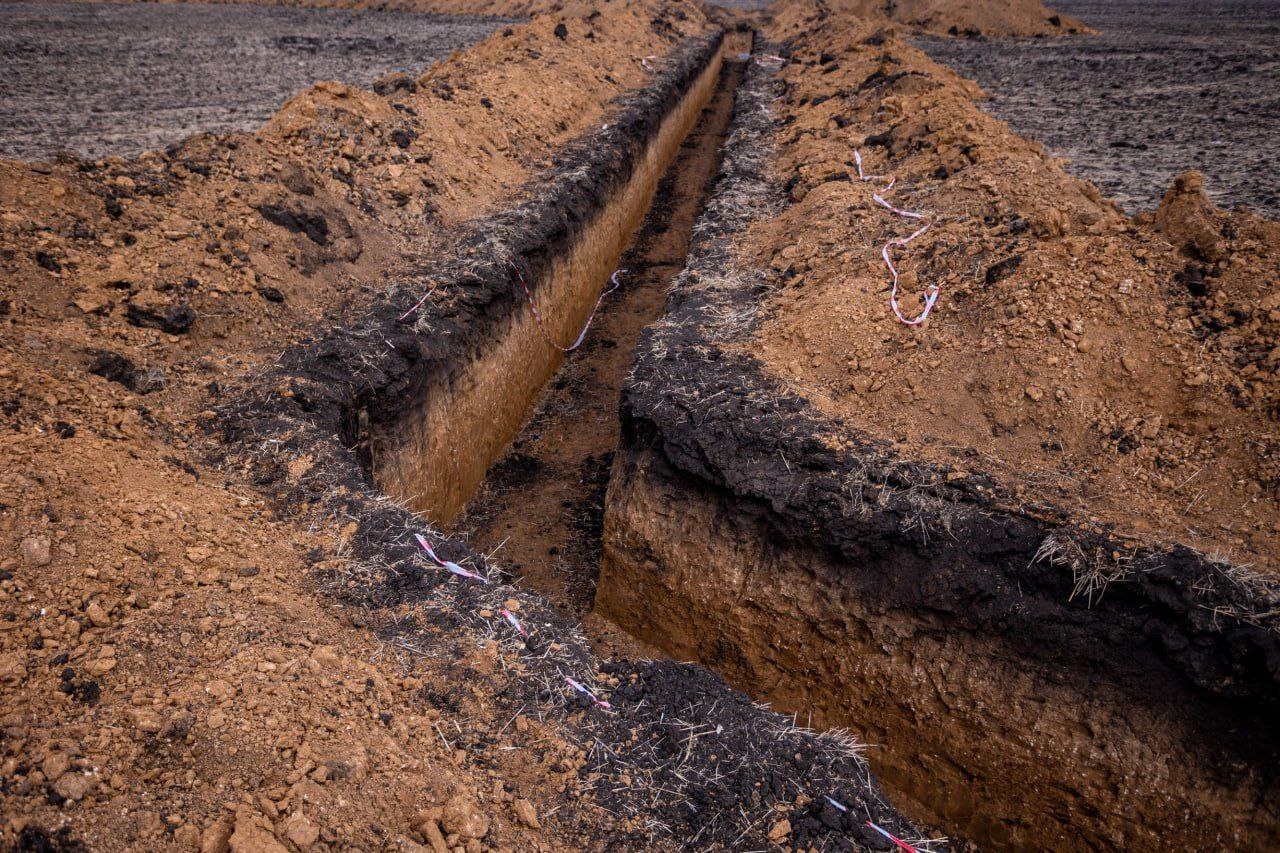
[(119, 79), (1167, 86)]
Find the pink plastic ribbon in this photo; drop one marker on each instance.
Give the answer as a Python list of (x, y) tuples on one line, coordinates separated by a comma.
[(931, 296), (445, 564), (581, 688), (537, 315), (513, 622), (895, 839)]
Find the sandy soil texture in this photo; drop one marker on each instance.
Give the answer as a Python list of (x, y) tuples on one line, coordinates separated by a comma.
[(1163, 87), (107, 79)]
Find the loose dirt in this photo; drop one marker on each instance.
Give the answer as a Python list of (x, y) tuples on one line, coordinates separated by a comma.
[(1123, 369), (121, 79), (1192, 85)]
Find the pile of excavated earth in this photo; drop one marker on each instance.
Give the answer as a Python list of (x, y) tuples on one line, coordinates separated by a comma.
[(1126, 369), (217, 634)]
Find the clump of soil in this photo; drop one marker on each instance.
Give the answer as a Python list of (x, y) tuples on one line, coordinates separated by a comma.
[(169, 672), (1123, 369), (967, 18)]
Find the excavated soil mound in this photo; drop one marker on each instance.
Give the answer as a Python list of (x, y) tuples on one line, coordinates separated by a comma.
[(1026, 545), (1125, 370), (216, 633), (969, 18), (171, 673)]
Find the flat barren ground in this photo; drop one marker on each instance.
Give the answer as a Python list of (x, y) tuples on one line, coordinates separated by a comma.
[(1164, 87), (102, 79)]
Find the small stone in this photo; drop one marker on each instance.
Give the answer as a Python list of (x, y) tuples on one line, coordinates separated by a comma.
[(145, 720), (220, 690), (187, 836), (100, 667), (97, 615), (780, 831), (431, 831), (55, 764), (13, 668), (301, 831), (463, 817), (217, 835), (253, 834), (527, 814), (1034, 393), (73, 786), (35, 550)]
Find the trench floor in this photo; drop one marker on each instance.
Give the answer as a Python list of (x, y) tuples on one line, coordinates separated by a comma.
[(540, 511)]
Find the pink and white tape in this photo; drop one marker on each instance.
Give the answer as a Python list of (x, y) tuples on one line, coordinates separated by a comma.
[(445, 564), (513, 622), (931, 296), (582, 688), (889, 835), (537, 315)]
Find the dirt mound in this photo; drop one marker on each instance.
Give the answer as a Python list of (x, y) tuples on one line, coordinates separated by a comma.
[(1123, 369), (168, 673), (968, 18)]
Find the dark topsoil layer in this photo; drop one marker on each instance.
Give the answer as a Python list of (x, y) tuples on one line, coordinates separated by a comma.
[(726, 768), (1188, 635), (1166, 86), (102, 79)]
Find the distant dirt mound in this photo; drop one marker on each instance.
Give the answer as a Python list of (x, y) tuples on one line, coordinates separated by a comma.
[(505, 8), (957, 17)]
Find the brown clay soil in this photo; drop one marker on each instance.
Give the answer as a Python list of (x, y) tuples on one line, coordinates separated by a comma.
[(1125, 369), (168, 673)]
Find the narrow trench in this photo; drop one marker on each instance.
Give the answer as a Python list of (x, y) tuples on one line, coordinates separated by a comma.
[(540, 510)]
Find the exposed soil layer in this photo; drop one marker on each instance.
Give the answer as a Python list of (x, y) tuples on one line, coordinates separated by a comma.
[(1163, 87), (432, 450), (107, 79), (542, 504), (1034, 677)]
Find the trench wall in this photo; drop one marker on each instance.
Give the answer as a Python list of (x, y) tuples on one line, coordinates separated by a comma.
[(436, 453), (818, 571)]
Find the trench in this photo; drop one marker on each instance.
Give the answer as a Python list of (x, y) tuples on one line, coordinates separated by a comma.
[(540, 509), (439, 450)]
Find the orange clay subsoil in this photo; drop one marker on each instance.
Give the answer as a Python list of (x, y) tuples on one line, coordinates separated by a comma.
[(168, 673), (1123, 369)]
